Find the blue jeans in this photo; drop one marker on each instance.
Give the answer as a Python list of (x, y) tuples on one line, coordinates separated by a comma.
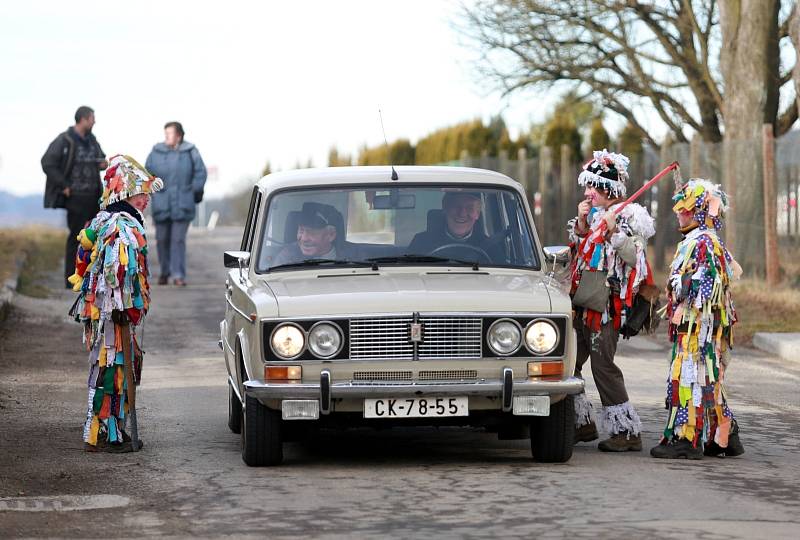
[(171, 244)]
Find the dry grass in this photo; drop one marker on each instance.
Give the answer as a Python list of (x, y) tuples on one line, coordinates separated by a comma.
[(764, 309), (41, 249)]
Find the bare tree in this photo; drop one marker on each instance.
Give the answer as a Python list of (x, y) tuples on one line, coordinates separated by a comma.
[(635, 57), (748, 55), (701, 66)]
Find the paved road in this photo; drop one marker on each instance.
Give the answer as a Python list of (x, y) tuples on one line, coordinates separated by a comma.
[(190, 479)]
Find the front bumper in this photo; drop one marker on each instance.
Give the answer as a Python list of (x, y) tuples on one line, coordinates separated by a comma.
[(505, 388)]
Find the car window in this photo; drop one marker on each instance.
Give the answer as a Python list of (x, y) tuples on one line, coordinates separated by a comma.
[(412, 225)]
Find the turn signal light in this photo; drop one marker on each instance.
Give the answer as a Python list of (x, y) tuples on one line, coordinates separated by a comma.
[(545, 369), (283, 373)]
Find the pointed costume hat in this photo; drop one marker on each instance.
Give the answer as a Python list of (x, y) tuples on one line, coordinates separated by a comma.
[(706, 199), (124, 178)]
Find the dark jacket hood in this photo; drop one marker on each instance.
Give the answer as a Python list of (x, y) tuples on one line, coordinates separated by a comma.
[(86, 139)]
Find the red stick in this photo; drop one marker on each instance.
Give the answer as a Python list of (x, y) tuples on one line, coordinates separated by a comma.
[(602, 227), (672, 166)]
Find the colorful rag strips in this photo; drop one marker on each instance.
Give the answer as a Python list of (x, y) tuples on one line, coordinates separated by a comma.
[(111, 275), (705, 199), (598, 254), (701, 316)]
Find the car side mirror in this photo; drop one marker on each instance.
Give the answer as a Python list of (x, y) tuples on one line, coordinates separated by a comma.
[(557, 254), (237, 259)]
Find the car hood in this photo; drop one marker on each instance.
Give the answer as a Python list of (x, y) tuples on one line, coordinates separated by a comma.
[(328, 294)]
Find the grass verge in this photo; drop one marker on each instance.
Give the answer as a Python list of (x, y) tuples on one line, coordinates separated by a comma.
[(41, 249)]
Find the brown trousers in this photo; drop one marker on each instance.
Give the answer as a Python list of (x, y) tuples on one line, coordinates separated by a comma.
[(601, 348)]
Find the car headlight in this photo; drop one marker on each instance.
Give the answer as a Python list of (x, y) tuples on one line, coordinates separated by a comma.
[(504, 336), (288, 341), (325, 340), (541, 336)]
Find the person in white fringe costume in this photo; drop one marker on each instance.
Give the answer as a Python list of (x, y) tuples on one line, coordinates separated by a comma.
[(614, 261)]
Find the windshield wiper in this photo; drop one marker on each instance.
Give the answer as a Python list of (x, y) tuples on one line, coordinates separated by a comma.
[(412, 258), (325, 262)]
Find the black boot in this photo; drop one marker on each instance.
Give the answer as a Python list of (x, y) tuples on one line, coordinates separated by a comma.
[(734, 448), (677, 449)]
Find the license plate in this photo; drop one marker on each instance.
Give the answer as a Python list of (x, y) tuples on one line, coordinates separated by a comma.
[(431, 407)]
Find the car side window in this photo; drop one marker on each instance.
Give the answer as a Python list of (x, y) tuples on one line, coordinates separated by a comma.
[(250, 223)]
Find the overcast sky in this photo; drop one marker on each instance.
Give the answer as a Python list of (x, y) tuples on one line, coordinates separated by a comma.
[(250, 81)]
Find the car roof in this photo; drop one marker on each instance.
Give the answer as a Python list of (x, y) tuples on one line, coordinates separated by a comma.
[(382, 175)]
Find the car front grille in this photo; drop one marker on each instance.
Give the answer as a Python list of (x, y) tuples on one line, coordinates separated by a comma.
[(382, 376), (385, 339), (448, 375), (388, 338), (450, 337)]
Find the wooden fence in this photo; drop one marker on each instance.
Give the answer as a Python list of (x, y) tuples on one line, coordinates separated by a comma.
[(550, 179)]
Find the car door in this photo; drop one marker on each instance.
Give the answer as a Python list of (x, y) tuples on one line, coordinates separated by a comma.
[(239, 303)]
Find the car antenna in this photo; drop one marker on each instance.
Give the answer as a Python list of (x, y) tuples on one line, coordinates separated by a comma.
[(388, 152)]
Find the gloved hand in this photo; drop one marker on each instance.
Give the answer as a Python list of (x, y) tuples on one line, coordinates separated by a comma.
[(198, 196)]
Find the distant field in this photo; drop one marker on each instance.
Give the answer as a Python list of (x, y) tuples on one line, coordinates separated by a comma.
[(42, 250)]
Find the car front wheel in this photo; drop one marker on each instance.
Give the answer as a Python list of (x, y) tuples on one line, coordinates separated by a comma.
[(261, 434), (552, 437)]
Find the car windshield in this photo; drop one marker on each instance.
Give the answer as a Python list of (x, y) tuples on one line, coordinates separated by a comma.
[(414, 225)]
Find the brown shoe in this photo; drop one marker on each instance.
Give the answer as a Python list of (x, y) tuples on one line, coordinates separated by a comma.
[(621, 442), (586, 433), (179, 282), (163, 280)]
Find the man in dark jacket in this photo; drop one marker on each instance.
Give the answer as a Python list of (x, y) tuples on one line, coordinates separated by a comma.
[(179, 164), (317, 237), (72, 163), (458, 236)]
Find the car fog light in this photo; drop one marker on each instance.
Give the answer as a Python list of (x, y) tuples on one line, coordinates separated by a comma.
[(531, 405), (541, 337), (288, 341), (299, 409), (325, 340), (545, 369), (504, 336), (283, 373)]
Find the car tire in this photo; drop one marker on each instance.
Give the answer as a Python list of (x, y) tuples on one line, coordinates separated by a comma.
[(234, 411), (552, 437), (261, 434)]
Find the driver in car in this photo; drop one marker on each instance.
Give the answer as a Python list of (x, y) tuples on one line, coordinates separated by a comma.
[(459, 238), (316, 238)]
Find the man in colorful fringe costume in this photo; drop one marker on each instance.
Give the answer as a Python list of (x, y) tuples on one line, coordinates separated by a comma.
[(609, 262), (701, 315), (111, 276)]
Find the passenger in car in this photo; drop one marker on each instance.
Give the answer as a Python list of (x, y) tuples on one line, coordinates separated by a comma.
[(453, 232), (316, 237)]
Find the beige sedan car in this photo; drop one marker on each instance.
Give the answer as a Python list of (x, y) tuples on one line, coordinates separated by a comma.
[(373, 296)]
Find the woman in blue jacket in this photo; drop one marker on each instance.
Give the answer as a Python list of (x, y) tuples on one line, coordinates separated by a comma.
[(179, 164)]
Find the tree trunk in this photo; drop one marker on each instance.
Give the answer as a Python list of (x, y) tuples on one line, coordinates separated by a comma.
[(747, 31)]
